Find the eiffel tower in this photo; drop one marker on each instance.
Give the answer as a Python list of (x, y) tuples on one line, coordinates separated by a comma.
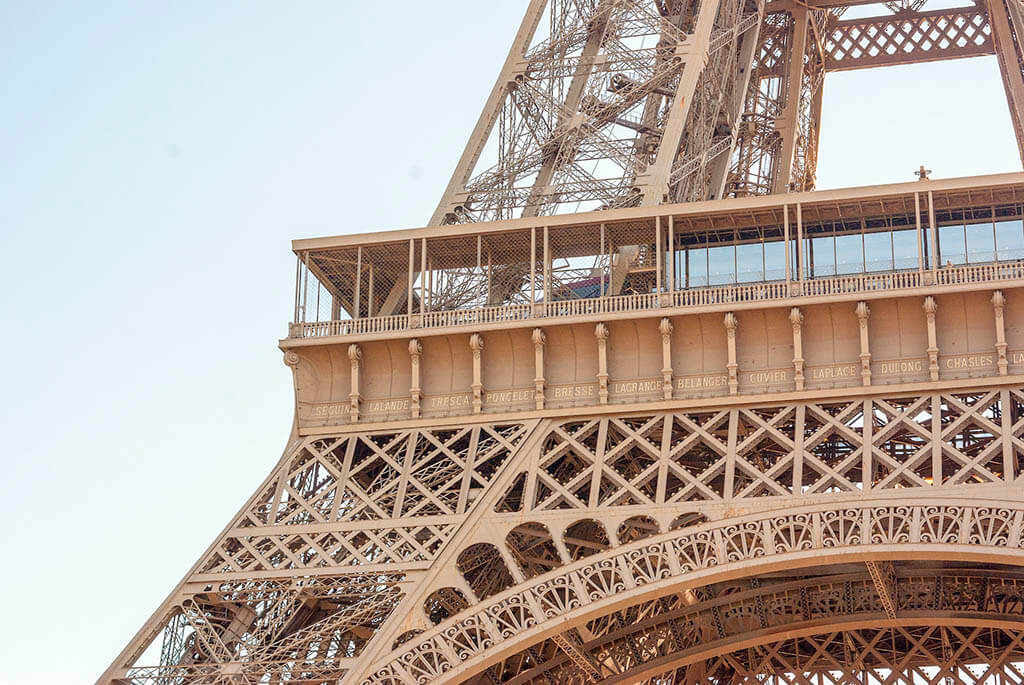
[(640, 405)]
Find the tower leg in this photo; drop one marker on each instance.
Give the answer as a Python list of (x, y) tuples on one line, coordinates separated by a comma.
[(1007, 21)]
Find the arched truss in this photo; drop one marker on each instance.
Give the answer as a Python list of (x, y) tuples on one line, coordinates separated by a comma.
[(749, 622), (554, 604), (897, 655), (361, 548)]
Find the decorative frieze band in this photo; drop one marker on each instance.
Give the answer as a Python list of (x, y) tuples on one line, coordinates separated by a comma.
[(672, 361)]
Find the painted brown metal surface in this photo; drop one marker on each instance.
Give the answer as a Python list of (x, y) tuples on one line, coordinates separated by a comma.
[(721, 428)]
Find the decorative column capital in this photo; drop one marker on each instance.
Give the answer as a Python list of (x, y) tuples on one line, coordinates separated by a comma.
[(601, 332), (539, 339), (415, 347), (863, 311), (998, 304), (665, 328), (476, 343), (731, 322), (355, 355), (796, 318), (930, 307)]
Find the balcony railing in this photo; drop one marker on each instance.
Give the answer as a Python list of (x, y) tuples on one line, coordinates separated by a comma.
[(694, 297)]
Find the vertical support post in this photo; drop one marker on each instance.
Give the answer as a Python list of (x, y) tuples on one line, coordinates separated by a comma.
[(601, 333), (935, 238), (305, 291), (936, 439), (665, 328), (355, 356), (930, 307), (730, 454), (539, 383), (423, 268), (659, 256), (603, 288), (671, 254), (412, 270), (998, 305), (1006, 423), (533, 268), (731, 323), (415, 390), (800, 257), (357, 303), (788, 249), (476, 344), (796, 318), (920, 233), (298, 282), (863, 312), (798, 447), (547, 267), (867, 475)]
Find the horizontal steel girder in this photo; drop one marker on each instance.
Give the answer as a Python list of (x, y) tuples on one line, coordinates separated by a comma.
[(908, 38)]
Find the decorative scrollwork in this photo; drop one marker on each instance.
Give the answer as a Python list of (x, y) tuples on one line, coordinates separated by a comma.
[(730, 542), (649, 564), (602, 579), (558, 596), (890, 525)]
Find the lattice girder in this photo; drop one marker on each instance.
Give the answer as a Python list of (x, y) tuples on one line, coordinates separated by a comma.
[(908, 37)]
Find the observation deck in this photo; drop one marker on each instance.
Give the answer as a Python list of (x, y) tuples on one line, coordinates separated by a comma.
[(904, 283)]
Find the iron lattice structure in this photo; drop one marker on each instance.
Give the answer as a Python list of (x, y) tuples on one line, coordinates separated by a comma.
[(619, 103), (560, 449)]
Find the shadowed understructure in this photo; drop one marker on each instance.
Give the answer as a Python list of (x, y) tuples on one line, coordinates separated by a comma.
[(640, 405)]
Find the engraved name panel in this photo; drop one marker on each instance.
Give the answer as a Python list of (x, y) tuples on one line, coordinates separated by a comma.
[(572, 394), (701, 385), (765, 380), (508, 399), (966, 365), (909, 370), (324, 413), (447, 405), (636, 390)]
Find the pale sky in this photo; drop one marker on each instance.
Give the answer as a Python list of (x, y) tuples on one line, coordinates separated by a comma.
[(155, 161)]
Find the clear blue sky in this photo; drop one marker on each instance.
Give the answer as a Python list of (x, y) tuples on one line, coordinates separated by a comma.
[(155, 160)]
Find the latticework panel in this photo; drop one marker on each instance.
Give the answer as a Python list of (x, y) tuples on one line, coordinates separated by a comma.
[(318, 560), (478, 535), (320, 508), (299, 630), (589, 112), (786, 450), (908, 37)]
